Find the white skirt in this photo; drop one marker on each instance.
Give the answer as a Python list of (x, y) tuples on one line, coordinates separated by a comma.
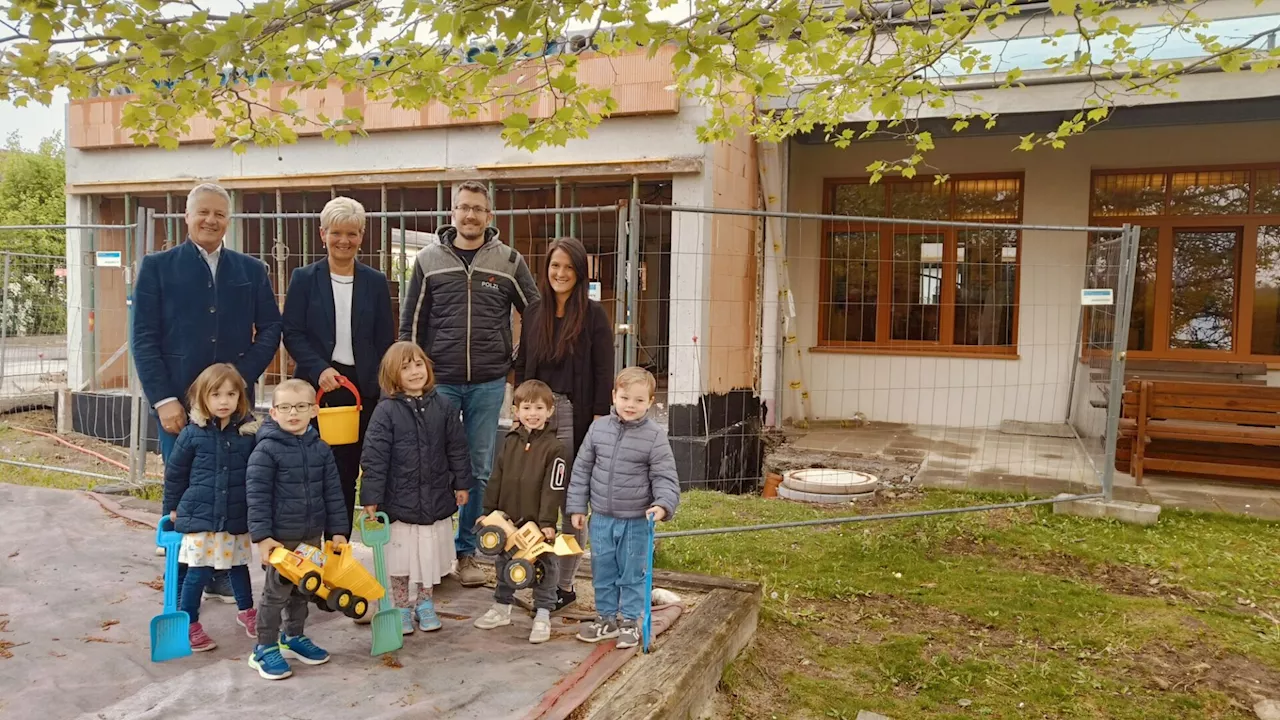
[(423, 552), (218, 550)]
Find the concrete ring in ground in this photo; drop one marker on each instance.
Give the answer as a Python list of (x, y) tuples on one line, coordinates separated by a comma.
[(830, 481), (827, 498)]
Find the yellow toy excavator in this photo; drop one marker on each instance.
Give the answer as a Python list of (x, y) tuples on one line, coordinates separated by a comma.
[(331, 577), (496, 534)]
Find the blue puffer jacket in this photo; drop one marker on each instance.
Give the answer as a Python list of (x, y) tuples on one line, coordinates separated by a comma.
[(293, 487), (204, 479)]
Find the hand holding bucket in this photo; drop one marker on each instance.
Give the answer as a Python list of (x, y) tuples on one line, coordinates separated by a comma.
[(340, 425)]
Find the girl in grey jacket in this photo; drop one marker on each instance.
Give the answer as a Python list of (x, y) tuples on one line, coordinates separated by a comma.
[(626, 472)]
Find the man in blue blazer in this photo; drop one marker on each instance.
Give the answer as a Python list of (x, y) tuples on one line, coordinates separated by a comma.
[(198, 304)]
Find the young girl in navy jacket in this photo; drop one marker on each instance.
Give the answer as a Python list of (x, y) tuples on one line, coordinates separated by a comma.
[(204, 494)]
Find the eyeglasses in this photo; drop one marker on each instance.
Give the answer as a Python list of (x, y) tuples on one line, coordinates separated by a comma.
[(300, 407), (469, 209)]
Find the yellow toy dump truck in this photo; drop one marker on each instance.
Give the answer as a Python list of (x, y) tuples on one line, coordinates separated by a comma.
[(496, 534), (332, 578)]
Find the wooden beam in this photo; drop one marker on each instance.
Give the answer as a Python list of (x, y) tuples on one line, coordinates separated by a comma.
[(682, 671), (580, 171)]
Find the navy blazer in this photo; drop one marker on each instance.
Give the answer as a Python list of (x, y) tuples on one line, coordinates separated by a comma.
[(310, 324), (185, 320)]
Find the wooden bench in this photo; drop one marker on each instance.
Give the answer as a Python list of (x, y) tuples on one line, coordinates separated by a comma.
[(1211, 429)]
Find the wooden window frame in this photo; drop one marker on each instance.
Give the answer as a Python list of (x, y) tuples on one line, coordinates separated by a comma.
[(884, 344), (1246, 268)]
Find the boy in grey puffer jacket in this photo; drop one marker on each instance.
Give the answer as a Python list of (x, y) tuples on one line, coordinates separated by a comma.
[(626, 471)]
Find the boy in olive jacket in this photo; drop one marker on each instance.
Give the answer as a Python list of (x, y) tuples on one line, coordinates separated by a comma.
[(528, 485)]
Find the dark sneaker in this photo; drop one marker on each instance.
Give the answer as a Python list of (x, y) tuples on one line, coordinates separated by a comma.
[(269, 663), (628, 634), (303, 650), (564, 598), (597, 630), (219, 588)]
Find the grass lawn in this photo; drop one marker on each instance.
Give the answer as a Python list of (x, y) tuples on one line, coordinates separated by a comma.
[(1007, 614)]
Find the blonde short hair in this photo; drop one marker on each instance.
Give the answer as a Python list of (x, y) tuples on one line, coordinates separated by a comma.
[(294, 385), (342, 211), (636, 376)]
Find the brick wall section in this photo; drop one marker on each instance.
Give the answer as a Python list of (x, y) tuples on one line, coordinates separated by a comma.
[(641, 86), (729, 349)]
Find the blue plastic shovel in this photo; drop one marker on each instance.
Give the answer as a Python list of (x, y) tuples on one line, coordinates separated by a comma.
[(648, 591), (169, 630)]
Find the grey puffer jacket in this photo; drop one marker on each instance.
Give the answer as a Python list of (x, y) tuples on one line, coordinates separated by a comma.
[(623, 468), (460, 314)]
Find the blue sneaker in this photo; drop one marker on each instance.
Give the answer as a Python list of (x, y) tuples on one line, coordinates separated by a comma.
[(266, 659), (427, 618), (406, 621), (302, 649)]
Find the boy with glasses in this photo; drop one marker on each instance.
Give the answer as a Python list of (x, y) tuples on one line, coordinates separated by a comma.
[(294, 497)]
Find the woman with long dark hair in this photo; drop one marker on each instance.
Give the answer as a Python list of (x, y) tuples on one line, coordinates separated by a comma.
[(566, 342)]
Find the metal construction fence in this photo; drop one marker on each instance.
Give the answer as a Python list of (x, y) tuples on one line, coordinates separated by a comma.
[(944, 336)]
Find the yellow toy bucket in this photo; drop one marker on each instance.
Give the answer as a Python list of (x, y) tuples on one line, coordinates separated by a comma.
[(340, 425)]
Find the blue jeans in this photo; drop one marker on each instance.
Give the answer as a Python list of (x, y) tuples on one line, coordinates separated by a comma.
[(619, 560), (481, 404), (198, 578)]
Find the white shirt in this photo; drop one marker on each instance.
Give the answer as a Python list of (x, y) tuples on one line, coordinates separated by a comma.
[(210, 258), (342, 350)]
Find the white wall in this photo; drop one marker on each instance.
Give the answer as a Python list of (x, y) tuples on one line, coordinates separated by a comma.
[(980, 392)]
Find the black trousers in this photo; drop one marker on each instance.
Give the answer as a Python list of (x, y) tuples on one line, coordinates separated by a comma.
[(347, 457)]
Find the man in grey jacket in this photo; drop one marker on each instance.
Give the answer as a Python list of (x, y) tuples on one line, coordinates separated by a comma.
[(626, 471), (458, 310)]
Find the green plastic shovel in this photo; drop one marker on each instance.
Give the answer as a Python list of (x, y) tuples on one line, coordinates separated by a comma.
[(387, 636)]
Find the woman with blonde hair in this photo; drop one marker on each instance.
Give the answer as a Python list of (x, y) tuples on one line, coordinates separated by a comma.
[(338, 325)]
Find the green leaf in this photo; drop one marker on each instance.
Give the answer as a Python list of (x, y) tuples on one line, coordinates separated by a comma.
[(516, 121), (40, 28)]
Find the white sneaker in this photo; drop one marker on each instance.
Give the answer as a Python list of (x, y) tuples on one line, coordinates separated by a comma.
[(541, 631), (495, 617)]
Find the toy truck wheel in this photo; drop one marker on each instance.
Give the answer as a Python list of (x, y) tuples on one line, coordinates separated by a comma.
[(340, 600), (358, 607), (539, 571), (310, 583), (491, 540), (520, 573)]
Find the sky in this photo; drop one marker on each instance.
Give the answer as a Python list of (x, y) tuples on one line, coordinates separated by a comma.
[(35, 122)]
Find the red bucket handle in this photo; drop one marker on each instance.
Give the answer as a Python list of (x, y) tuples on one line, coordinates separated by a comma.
[(344, 382)]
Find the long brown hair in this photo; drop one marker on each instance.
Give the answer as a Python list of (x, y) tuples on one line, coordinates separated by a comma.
[(397, 356), (546, 347)]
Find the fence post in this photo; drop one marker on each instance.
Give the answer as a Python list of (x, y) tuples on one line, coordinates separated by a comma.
[(137, 425), (4, 318), (619, 288), (1129, 238), (633, 274)]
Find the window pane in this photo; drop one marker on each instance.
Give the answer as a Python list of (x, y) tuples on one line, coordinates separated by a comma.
[(1204, 289), (855, 273), (986, 283), (1142, 319), (1266, 194), (917, 287), (988, 199), (920, 200), (1134, 194), (1210, 193), (1266, 293), (859, 200)]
